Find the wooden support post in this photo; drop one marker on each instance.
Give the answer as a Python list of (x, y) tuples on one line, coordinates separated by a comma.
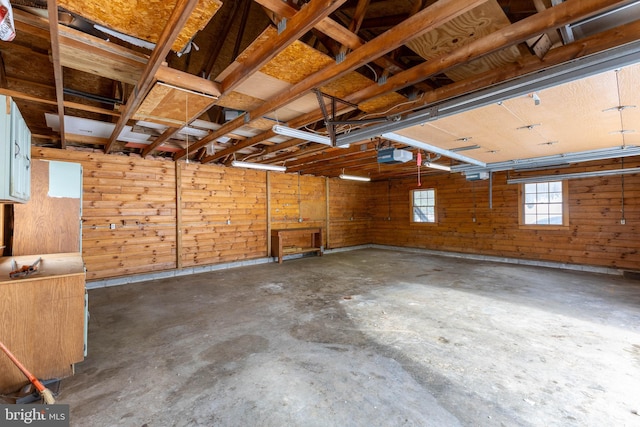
[(178, 215), (268, 214), (327, 209)]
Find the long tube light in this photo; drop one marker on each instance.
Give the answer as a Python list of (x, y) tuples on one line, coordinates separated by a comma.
[(260, 166), (432, 148), (297, 133), (437, 166), (355, 177), (560, 177), (553, 160)]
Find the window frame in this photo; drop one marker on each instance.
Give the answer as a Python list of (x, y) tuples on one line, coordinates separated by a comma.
[(435, 207), (565, 208)]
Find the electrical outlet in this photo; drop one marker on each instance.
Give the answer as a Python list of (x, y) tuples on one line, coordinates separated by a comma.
[(622, 221), (112, 226), (228, 222)]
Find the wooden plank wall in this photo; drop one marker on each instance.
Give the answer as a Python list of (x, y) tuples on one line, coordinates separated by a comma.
[(350, 213), (138, 196), (297, 201), (594, 235), (223, 214)]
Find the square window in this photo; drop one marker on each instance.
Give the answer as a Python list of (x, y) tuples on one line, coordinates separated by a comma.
[(544, 203), (424, 206)]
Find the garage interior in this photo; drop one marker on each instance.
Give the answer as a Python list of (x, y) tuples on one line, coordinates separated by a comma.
[(351, 212)]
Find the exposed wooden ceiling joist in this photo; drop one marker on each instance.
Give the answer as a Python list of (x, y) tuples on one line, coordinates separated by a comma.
[(301, 22), (52, 7), (428, 19), (173, 27), (554, 17)]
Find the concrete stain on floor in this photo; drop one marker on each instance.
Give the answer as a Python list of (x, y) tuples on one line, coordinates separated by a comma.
[(363, 338)]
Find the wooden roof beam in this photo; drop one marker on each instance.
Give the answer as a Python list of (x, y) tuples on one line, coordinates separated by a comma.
[(584, 47), (68, 104), (554, 17), (178, 18), (159, 141), (296, 27), (52, 7), (334, 30), (426, 20), (597, 43)]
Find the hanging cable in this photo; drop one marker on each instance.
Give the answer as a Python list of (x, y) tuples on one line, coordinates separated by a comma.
[(622, 219), (389, 200), (186, 131), (299, 202)]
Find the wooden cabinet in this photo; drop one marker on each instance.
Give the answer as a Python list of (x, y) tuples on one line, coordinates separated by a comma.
[(42, 318), (15, 154), (288, 241)]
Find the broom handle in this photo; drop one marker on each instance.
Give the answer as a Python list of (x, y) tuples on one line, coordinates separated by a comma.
[(20, 366)]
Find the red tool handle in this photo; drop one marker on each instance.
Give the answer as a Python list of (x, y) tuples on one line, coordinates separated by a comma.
[(24, 370)]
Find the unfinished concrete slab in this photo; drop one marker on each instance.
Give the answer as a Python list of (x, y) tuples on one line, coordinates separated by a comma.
[(363, 338)]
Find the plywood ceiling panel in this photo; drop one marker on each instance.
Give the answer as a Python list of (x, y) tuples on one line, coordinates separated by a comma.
[(262, 86), (573, 117), (171, 105), (239, 101), (142, 19), (475, 24)]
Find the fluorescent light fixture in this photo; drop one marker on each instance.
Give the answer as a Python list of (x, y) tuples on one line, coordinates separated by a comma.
[(437, 166), (260, 166), (297, 133), (355, 177)]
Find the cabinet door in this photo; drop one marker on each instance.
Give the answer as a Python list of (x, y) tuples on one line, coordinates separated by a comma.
[(20, 151)]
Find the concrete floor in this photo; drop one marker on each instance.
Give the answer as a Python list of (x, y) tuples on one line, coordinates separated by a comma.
[(363, 338)]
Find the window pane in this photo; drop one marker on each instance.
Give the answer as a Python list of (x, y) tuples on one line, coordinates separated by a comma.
[(431, 214), (542, 209), (424, 205), (542, 220), (555, 186), (555, 209), (555, 219), (543, 203), (542, 198), (555, 197)]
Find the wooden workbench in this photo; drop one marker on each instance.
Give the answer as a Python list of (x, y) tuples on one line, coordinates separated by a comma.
[(311, 236), (42, 318)]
